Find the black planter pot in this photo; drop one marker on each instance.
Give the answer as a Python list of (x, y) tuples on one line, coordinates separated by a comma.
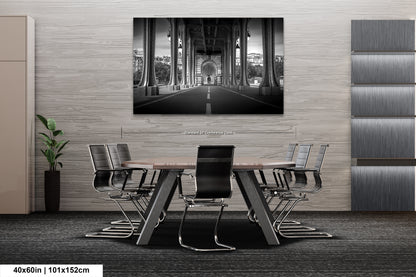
[(52, 190)]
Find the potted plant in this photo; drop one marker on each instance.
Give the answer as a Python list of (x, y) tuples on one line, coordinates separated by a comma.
[(52, 153)]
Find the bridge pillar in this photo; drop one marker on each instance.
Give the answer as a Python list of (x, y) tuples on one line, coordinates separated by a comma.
[(269, 85), (188, 59), (226, 62), (243, 54), (174, 83), (192, 63), (147, 85), (184, 83), (233, 57)]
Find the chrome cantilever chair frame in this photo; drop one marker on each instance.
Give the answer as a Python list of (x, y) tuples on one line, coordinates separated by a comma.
[(118, 153), (216, 239), (285, 177), (265, 186), (214, 163), (289, 157), (301, 162), (124, 154), (115, 160), (105, 183), (124, 231), (292, 200), (282, 178)]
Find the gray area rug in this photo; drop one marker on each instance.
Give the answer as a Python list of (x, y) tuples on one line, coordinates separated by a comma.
[(370, 244)]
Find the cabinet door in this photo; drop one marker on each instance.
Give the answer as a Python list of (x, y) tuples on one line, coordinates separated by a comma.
[(13, 171), (12, 38)]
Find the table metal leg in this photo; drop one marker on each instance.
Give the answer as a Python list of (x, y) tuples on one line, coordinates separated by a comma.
[(172, 193), (254, 198), (161, 195)]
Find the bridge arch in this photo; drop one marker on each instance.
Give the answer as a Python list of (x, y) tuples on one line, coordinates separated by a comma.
[(209, 71)]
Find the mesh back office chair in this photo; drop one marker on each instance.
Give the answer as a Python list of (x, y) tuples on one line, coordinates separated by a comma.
[(283, 177), (106, 179), (300, 175), (290, 151), (289, 156), (118, 154), (124, 154), (213, 183), (301, 186), (266, 187)]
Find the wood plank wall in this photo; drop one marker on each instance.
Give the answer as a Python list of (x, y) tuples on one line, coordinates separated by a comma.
[(84, 81)]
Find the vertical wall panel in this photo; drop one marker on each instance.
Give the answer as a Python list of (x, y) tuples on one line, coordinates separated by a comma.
[(383, 68), (383, 100), (382, 35), (382, 188), (383, 79), (383, 138)]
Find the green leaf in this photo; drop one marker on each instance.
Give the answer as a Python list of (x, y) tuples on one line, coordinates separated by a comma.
[(50, 156), (47, 138), (62, 146), (51, 124), (46, 143), (53, 146), (43, 120), (59, 143), (58, 132)]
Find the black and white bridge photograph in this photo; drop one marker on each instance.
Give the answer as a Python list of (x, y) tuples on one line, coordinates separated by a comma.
[(208, 66)]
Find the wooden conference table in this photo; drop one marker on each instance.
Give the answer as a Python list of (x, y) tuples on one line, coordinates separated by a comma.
[(243, 169)]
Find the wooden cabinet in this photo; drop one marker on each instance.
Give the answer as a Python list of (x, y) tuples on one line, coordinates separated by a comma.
[(17, 111)]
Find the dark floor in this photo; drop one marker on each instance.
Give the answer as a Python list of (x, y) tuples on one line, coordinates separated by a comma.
[(364, 244)]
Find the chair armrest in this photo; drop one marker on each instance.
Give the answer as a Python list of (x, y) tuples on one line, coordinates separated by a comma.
[(179, 182), (116, 170), (191, 176), (281, 168), (131, 168), (109, 170), (288, 168), (187, 174), (294, 169)]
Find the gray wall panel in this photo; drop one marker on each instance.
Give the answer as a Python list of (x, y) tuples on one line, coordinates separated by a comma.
[(382, 68), (382, 35), (383, 100), (382, 188), (383, 137)]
